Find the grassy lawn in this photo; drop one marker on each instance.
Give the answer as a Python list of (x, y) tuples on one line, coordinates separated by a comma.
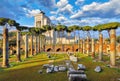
[(27, 70)]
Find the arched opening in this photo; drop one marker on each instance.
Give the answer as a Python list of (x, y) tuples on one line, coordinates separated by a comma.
[(49, 49), (76, 50), (67, 49), (59, 49)]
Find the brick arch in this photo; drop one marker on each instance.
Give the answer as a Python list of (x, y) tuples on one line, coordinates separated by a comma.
[(58, 49), (77, 49), (68, 49), (49, 50)]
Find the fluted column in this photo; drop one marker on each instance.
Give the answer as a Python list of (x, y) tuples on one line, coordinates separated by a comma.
[(100, 47), (5, 48), (26, 46), (18, 47), (112, 47)]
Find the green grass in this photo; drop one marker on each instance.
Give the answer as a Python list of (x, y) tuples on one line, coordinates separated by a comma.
[(27, 70)]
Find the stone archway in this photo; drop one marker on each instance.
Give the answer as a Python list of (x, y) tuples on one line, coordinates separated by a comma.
[(77, 50), (49, 50), (58, 49), (68, 49)]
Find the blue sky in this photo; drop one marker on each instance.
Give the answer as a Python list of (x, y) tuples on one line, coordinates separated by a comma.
[(68, 12)]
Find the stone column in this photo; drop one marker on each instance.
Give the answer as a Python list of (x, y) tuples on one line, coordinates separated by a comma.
[(39, 44), (5, 48), (88, 46), (32, 45), (18, 47), (26, 46), (112, 47), (93, 48), (83, 46), (100, 47), (35, 44)]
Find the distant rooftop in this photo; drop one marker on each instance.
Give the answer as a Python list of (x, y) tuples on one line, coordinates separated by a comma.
[(42, 12)]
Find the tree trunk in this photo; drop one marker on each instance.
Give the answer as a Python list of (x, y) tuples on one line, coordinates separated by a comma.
[(112, 47), (100, 47), (18, 47), (5, 48), (26, 46), (93, 48), (32, 45)]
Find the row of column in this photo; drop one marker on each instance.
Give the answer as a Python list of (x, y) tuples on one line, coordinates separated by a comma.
[(37, 47), (6, 47), (85, 47)]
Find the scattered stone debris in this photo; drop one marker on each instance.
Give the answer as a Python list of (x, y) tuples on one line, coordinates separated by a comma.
[(56, 69), (73, 58), (62, 68), (76, 72), (40, 71), (81, 67), (98, 69), (49, 70), (77, 77), (71, 69), (45, 66)]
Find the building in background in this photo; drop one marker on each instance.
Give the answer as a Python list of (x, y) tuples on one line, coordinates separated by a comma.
[(41, 20)]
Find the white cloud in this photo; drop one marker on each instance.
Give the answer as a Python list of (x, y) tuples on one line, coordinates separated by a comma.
[(89, 21), (79, 2), (109, 9), (61, 19), (53, 12), (53, 18), (31, 13), (66, 10), (62, 3), (64, 7)]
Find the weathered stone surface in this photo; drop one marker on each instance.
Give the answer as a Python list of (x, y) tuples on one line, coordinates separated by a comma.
[(81, 67), (49, 70), (45, 66), (98, 69), (71, 69), (75, 72), (56, 69), (73, 58), (77, 77), (62, 68)]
